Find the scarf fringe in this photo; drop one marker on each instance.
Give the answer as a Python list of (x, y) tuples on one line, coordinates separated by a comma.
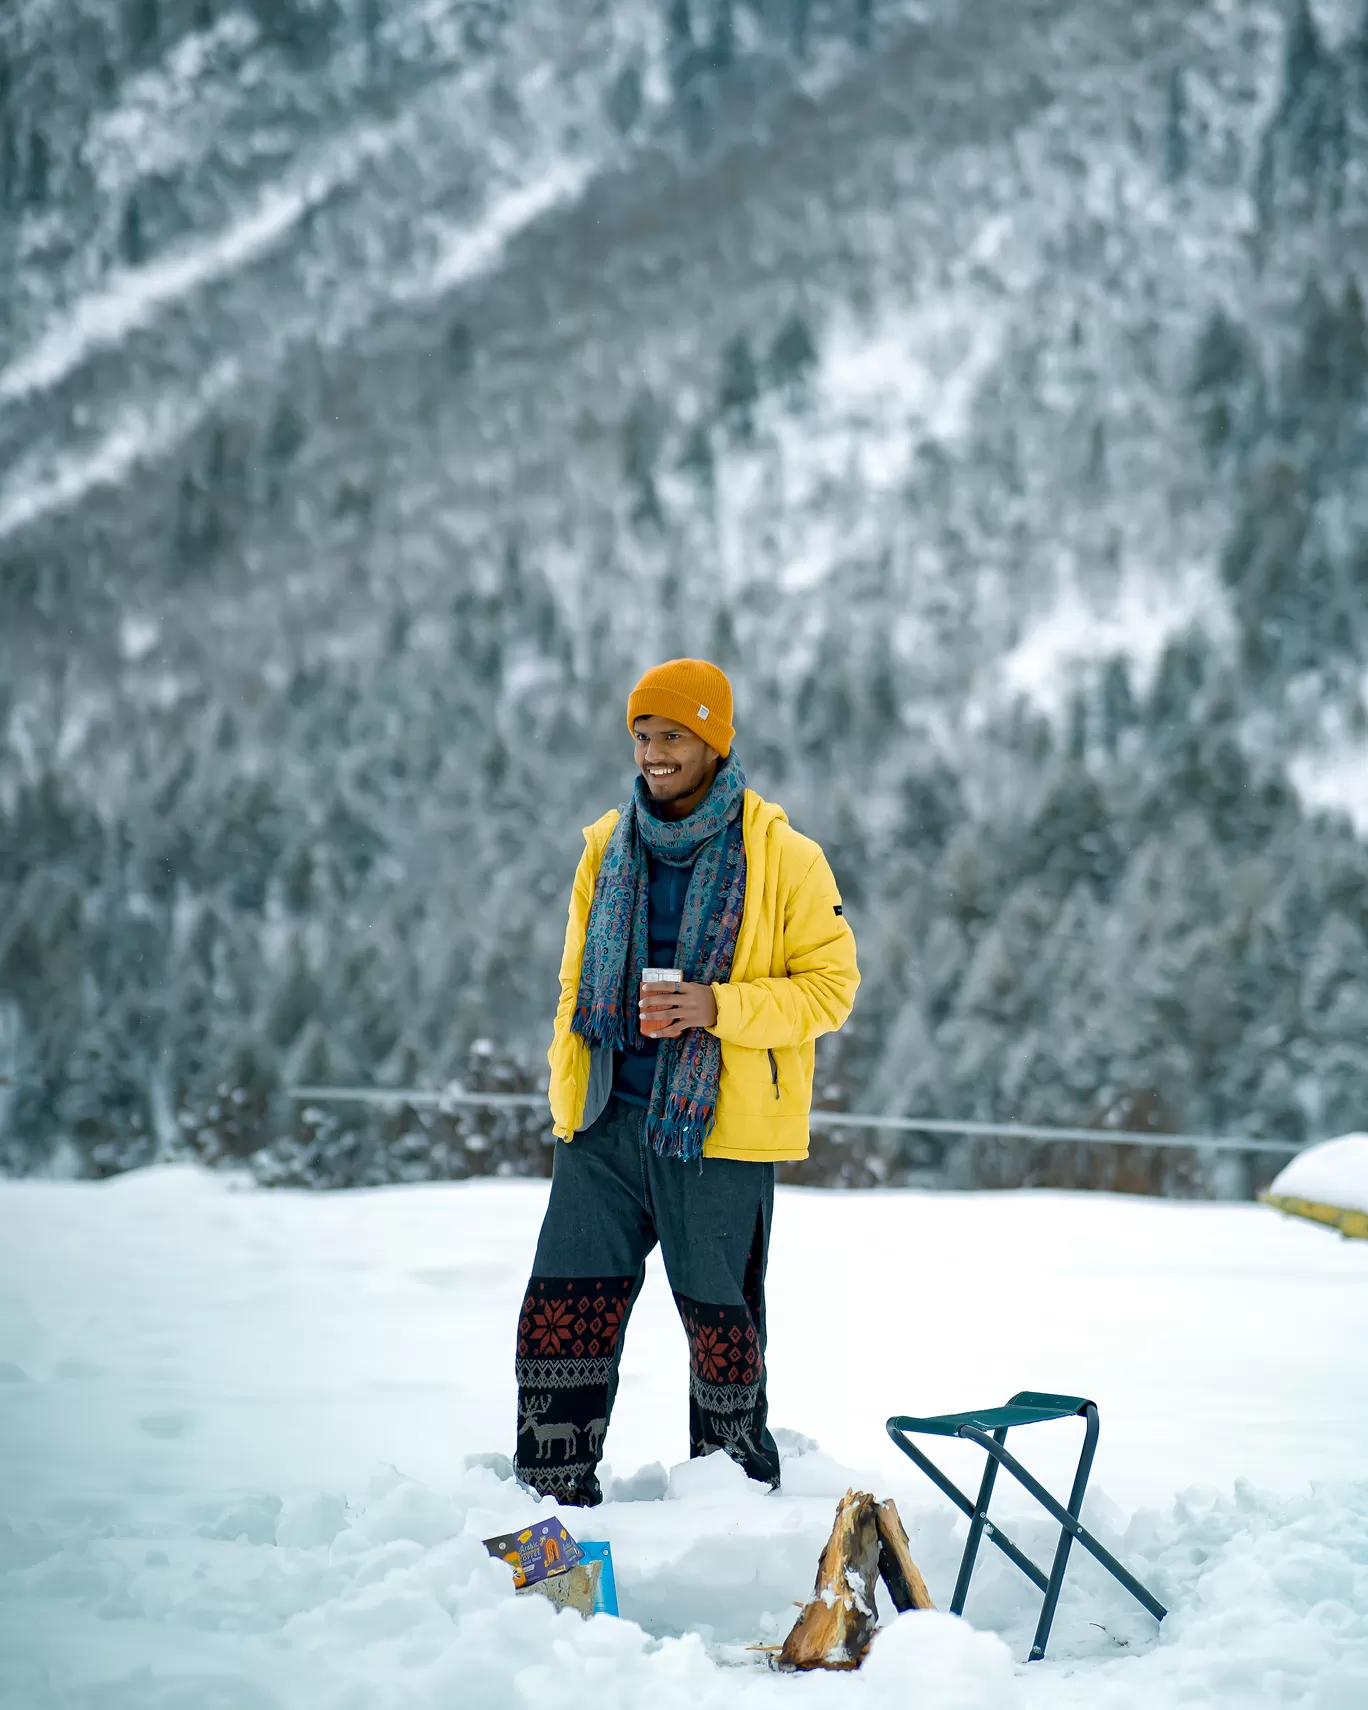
[(602, 1023), (679, 1132)]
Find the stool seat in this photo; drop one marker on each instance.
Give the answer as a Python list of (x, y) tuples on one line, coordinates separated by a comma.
[(1027, 1407), (988, 1427)]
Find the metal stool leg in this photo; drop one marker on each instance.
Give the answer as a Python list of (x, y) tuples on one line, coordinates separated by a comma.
[(1068, 1522), (994, 1533), (976, 1525), (1061, 1560)]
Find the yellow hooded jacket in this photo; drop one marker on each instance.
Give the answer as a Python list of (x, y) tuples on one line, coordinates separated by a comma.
[(793, 977)]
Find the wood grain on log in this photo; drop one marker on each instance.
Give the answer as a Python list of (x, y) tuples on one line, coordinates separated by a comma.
[(838, 1620), (905, 1584)]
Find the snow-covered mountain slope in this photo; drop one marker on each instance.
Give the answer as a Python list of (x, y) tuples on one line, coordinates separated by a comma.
[(984, 387)]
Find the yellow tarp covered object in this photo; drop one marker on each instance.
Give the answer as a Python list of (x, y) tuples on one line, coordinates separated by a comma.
[(1327, 1184), (1351, 1223)]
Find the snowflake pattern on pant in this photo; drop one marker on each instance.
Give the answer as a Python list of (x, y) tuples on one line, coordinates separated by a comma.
[(580, 1318), (724, 1346)]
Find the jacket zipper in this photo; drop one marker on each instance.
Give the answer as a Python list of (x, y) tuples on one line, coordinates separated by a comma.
[(774, 1072)]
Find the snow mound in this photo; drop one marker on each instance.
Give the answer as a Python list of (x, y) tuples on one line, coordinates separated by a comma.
[(939, 1663), (403, 1608), (1334, 1173)]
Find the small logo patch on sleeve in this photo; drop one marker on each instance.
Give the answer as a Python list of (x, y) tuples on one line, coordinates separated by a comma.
[(838, 909)]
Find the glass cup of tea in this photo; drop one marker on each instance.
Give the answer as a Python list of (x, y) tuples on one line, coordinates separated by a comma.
[(661, 979)]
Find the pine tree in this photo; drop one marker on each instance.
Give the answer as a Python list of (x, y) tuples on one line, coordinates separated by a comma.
[(198, 529), (1227, 387), (697, 459), (792, 356), (1303, 55), (297, 998), (1184, 667), (1304, 155), (800, 26), (642, 435), (1076, 740), (460, 349), (723, 647), (142, 29), (624, 99), (1354, 339), (38, 170), (301, 28), (287, 434), (681, 53), (10, 169), (1176, 151), (299, 882), (371, 23), (739, 390), (132, 242), (722, 47), (1222, 354), (1314, 105), (1095, 467), (1118, 709), (1356, 61)]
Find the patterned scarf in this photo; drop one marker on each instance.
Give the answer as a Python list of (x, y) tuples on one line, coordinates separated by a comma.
[(684, 1095)]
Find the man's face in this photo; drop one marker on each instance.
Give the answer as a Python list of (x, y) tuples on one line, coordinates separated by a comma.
[(676, 764)]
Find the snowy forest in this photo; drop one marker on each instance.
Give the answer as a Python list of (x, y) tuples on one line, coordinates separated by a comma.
[(385, 383)]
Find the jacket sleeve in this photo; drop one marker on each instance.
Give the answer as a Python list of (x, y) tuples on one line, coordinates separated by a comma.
[(816, 994), (562, 1051)]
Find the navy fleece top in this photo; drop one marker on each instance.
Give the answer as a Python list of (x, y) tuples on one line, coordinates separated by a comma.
[(634, 1071)]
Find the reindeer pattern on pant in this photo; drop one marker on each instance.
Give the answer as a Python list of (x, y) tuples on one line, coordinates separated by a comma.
[(566, 1434)]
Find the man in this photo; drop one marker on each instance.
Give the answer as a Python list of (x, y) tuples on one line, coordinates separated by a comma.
[(676, 1101)]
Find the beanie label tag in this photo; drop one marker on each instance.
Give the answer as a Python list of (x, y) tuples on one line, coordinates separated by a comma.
[(702, 712)]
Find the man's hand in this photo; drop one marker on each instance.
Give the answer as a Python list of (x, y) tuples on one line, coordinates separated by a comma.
[(667, 1013)]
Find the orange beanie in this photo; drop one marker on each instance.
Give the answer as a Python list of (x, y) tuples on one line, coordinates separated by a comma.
[(694, 694)]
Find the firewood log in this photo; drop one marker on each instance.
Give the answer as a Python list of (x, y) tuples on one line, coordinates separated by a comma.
[(837, 1621), (905, 1584)]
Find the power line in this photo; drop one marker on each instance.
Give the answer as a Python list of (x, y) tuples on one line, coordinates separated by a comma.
[(419, 1099)]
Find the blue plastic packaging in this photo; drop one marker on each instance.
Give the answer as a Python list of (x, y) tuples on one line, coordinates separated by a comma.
[(605, 1598)]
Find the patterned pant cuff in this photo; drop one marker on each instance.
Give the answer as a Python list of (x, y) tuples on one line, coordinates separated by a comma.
[(573, 1483)]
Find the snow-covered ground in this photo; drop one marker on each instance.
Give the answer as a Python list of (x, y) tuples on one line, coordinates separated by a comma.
[(234, 1428)]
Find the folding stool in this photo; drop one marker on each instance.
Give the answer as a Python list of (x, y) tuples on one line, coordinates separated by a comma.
[(988, 1427)]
